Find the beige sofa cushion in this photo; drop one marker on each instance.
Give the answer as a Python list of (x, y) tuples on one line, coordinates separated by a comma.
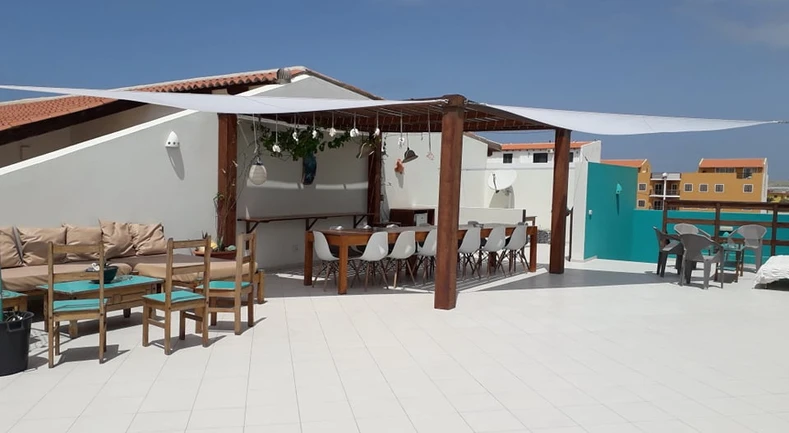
[(156, 267), (117, 239), (76, 235), (9, 252), (148, 239), (26, 278), (34, 244)]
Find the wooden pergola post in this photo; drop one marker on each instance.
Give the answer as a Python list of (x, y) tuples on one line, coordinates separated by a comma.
[(227, 173), (449, 202), (374, 182), (561, 174)]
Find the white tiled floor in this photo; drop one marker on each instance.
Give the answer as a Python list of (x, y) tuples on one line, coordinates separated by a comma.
[(605, 348)]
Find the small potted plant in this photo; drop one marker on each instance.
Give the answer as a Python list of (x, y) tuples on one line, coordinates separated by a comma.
[(218, 249)]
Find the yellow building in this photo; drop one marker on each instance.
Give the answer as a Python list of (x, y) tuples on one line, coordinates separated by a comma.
[(715, 180)]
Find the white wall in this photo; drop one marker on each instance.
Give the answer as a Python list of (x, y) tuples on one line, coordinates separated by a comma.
[(418, 185), (340, 183), (14, 152), (124, 176)]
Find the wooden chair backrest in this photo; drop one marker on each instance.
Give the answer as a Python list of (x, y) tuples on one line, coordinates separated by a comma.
[(246, 245), (171, 270), (64, 277)]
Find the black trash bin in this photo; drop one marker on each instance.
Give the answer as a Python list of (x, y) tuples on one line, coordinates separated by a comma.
[(15, 342)]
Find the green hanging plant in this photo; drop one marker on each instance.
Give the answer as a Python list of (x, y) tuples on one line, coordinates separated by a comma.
[(309, 141)]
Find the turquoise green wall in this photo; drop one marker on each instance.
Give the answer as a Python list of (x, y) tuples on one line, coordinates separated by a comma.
[(644, 245), (616, 230), (609, 227)]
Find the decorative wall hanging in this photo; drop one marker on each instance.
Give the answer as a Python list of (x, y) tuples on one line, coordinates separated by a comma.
[(309, 167)]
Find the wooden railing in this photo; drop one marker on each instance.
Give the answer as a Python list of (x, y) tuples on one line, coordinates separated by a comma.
[(734, 206)]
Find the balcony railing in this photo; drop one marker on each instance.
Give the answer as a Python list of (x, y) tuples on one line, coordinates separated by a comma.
[(774, 208)]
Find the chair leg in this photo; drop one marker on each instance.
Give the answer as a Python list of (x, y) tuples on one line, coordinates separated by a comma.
[(51, 344), (410, 270), (57, 338), (212, 303), (204, 322), (261, 286), (102, 337), (146, 316), (237, 314), (250, 311), (182, 325), (707, 266), (167, 323), (396, 273)]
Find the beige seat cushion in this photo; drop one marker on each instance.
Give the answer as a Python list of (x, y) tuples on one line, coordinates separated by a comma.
[(76, 235), (117, 239), (155, 267), (148, 239), (34, 244), (26, 278), (9, 252)]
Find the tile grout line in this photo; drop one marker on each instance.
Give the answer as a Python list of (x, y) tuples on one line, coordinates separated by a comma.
[(292, 367)]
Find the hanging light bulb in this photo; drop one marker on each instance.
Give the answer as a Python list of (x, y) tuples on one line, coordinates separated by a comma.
[(257, 172), (354, 131), (314, 129), (295, 135), (275, 148), (377, 131), (401, 140), (332, 131)]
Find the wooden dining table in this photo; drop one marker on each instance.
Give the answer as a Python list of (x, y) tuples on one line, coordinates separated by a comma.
[(345, 238)]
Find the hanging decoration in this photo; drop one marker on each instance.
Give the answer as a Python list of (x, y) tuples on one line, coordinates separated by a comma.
[(332, 131), (401, 140), (314, 129), (409, 154), (309, 167), (429, 155), (295, 144), (257, 172), (354, 131)]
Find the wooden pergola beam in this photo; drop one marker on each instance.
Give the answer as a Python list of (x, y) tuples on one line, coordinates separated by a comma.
[(561, 175), (449, 202)]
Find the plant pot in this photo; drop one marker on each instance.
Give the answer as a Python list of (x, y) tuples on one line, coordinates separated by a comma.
[(226, 255), (15, 343)]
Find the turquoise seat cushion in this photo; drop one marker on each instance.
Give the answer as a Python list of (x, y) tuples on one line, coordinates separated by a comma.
[(10, 294), (75, 305), (224, 285), (177, 296)]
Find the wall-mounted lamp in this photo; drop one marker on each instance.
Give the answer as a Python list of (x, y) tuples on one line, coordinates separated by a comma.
[(172, 140), (618, 189)]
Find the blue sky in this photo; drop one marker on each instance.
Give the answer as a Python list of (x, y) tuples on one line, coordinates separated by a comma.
[(705, 58)]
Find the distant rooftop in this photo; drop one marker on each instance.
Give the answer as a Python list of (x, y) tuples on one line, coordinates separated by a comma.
[(732, 163), (540, 146), (635, 163)]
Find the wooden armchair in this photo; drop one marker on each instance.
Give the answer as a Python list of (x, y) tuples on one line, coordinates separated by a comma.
[(221, 292), (189, 304), (74, 309)]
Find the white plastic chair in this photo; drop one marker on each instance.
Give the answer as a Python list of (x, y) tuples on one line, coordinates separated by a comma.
[(375, 251), (427, 253), (514, 248), (329, 262), (404, 249), (495, 244), (468, 250)]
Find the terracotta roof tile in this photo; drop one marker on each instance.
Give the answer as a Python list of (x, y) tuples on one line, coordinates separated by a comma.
[(637, 163), (540, 146), (17, 113), (732, 163)]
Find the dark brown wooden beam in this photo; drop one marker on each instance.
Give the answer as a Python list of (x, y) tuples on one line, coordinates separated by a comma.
[(449, 202), (561, 174), (374, 183), (227, 175)]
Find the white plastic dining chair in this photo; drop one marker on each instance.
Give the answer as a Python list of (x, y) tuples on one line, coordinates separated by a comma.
[(404, 249), (329, 262)]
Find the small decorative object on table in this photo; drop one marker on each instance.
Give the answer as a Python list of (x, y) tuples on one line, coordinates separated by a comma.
[(110, 271)]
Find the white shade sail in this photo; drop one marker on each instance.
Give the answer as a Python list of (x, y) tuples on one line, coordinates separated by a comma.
[(623, 124), (588, 122), (235, 104)]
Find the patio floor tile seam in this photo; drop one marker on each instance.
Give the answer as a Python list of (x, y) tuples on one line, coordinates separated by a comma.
[(426, 373)]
